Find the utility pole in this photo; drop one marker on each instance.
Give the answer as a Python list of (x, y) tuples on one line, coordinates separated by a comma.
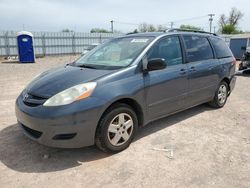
[(211, 20), (171, 25), (112, 26)]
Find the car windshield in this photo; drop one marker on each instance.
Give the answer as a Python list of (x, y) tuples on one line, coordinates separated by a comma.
[(115, 54)]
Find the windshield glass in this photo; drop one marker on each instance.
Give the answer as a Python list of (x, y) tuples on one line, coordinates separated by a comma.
[(115, 54)]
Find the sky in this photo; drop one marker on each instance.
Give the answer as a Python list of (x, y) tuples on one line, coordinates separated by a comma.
[(82, 15)]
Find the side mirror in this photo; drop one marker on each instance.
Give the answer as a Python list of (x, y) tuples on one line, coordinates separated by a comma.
[(156, 64)]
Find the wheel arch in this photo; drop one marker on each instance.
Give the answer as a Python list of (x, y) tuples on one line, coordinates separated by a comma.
[(130, 102), (227, 80)]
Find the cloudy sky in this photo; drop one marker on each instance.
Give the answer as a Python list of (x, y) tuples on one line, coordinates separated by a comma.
[(82, 15)]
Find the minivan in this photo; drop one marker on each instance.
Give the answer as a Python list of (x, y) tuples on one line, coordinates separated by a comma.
[(103, 97)]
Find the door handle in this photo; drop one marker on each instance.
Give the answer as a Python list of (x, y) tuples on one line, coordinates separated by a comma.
[(183, 71), (192, 69), (211, 67)]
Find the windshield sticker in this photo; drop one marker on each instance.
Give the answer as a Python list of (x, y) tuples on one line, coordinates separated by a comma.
[(140, 40)]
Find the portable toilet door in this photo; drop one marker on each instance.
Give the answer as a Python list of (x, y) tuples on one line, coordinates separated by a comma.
[(238, 46), (25, 47)]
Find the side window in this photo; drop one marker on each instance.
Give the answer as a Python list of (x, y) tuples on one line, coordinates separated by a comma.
[(169, 49), (221, 48), (198, 48)]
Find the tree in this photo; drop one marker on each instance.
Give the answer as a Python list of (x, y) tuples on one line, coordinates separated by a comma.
[(161, 28), (151, 28), (144, 27), (67, 30), (99, 30), (190, 27), (133, 32), (228, 25), (228, 29)]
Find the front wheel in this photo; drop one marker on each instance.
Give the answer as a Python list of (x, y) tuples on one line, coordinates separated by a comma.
[(221, 95), (116, 129)]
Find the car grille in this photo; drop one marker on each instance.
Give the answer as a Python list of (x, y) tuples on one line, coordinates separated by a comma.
[(34, 133), (33, 100)]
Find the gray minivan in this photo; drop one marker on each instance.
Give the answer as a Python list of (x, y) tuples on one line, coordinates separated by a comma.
[(103, 97)]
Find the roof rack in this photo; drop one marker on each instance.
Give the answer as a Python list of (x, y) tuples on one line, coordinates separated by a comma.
[(188, 30)]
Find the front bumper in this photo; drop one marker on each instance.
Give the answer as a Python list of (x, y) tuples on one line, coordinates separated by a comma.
[(69, 126)]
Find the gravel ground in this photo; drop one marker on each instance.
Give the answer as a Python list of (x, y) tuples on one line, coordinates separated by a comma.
[(210, 148)]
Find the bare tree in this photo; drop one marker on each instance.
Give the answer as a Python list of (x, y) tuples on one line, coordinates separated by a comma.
[(228, 25), (233, 19), (222, 20), (143, 27), (235, 16), (161, 28)]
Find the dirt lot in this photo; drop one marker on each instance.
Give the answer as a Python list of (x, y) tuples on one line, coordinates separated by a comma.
[(211, 148)]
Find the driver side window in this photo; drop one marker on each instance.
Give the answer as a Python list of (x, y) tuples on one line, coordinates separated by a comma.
[(168, 48)]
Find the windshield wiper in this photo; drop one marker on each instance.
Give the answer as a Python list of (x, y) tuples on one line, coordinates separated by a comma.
[(87, 66)]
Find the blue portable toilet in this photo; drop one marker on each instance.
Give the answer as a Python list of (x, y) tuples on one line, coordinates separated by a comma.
[(238, 45), (25, 47)]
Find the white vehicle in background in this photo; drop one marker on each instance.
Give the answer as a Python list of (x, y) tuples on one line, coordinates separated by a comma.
[(89, 48)]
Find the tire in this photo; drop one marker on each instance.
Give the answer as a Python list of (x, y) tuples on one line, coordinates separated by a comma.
[(221, 95), (116, 128)]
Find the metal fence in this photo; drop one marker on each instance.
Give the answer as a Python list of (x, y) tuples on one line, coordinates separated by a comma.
[(52, 43), (56, 43)]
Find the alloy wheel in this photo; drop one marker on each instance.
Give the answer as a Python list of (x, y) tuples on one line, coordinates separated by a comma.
[(120, 129), (222, 94)]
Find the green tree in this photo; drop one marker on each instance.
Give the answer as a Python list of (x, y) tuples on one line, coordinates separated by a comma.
[(99, 30), (228, 25), (191, 27), (151, 28), (133, 32), (228, 29)]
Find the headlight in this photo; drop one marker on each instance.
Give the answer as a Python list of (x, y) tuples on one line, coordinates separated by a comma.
[(72, 94)]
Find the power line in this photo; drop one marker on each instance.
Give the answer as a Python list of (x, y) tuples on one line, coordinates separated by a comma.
[(188, 19), (183, 20), (126, 23), (174, 21), (171, 23)]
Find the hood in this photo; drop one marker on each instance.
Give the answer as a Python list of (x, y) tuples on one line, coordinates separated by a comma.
[(56, 80)]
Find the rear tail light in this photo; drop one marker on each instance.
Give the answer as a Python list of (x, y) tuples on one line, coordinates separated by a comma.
[(234, 61)]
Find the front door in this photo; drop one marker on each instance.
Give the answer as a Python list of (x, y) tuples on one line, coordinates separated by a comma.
[(165, 90)]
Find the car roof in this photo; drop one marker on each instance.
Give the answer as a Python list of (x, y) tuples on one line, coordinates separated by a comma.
[(157, 34)]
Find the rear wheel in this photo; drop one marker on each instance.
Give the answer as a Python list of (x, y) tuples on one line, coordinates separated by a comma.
[(221, 95), (116, 129)]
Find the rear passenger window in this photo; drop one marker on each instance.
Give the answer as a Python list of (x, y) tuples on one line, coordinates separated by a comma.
[(169, 49), (198, 48), (221, 48)]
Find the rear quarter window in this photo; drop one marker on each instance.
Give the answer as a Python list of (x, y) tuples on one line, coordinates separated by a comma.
[(222, 50), (198, 48)]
